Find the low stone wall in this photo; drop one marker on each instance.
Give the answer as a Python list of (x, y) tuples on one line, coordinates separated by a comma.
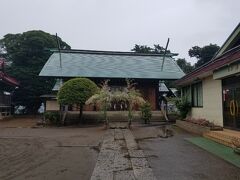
[(193, 128), (5, 117), (113, 116)]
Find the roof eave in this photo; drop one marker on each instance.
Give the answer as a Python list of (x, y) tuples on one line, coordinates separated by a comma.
[(111, 52), (225, 45), (222, 61), (150, 78)]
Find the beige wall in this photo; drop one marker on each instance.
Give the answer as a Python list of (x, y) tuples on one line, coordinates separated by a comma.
[(212, 102), (52, 105)]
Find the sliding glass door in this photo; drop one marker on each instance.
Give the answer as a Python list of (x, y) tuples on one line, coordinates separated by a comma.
[(231, 102)]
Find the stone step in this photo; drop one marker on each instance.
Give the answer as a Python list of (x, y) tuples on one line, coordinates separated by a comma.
[(222, 137), (218, 140), (118, 125)]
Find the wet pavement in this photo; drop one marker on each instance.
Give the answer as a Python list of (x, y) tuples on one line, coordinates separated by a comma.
[(174, 158)]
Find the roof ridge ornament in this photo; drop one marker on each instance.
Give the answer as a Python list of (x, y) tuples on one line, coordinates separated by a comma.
[(165, 54), (59, 51)]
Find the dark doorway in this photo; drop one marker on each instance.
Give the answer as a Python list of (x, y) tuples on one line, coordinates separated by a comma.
[(231, 102)]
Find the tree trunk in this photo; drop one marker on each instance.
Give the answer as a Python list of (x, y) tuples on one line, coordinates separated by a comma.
[(80, 114), (129, 116), (61, 115), (105, 114)]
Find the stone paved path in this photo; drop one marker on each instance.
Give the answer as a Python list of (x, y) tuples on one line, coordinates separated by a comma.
[(121, 159)]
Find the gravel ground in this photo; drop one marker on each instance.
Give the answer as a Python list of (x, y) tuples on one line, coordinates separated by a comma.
[(49, 153), (174, 158), (19, 121)]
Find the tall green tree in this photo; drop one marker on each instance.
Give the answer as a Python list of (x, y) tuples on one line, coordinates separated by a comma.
[(203, 54), (26, 53), (184, 65), (141, 49), (146, 49)]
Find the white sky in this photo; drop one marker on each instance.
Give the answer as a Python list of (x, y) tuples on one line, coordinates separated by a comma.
[(119, 24)]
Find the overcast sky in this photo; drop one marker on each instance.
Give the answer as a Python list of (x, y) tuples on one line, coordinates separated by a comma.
[(119, 24)]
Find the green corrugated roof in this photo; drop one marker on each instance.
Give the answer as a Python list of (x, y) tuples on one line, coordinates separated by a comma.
[(111, 65)]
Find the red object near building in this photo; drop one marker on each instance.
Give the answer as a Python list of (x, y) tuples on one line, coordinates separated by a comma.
[(7, 85), (4, 77)]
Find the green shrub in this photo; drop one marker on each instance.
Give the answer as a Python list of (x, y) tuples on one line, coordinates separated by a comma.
[(76, 91), (52, 118), (146, 113), (184, 106)]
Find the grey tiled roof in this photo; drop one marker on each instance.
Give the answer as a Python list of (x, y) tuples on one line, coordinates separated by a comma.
[(107, 65)]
